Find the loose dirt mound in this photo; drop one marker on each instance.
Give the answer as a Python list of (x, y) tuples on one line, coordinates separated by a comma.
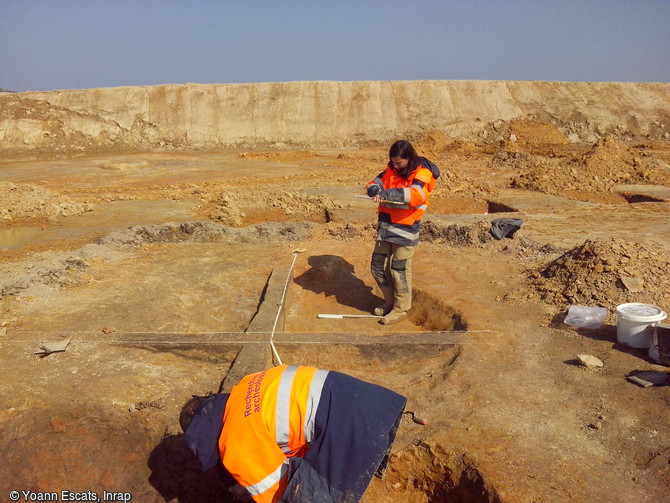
[(529, 134), (439, 145), (295, 202), (25, 202), (509, 157), (524, 134), (605, 273), (139, 235), (444, 151), (455, 235), (232, 208), (44, 273), (432, 144), (607, 164), (227, 210)]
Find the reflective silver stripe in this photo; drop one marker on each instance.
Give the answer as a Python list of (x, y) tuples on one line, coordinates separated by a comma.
[(420, 189), (422, 207), (406, 195), (315, 388), (396, 205), (402, 233), (379, 181), (283, 414), (269, 481)]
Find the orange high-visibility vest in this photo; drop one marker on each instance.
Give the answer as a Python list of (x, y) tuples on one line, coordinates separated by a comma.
[(416, 198), (268, 418)]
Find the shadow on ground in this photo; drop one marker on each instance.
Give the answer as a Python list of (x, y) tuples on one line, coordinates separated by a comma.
[(176, 474), (333, 276)]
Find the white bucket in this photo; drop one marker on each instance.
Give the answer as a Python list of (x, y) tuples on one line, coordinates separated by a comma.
[(635, 323)]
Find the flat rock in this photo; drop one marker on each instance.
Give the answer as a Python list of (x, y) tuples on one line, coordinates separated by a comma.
[(633, 285), (590, 361)]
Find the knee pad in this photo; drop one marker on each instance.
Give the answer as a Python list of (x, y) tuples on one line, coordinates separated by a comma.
[(377, 268), (399, 265)]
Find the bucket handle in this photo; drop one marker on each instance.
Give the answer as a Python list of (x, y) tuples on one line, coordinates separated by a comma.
[(655, 324)]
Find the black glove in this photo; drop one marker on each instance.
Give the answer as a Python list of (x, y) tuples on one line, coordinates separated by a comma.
[(373, 190), (393, 195)]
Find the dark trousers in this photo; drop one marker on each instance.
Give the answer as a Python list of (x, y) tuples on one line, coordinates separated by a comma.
[(391, 266), (355, 425)]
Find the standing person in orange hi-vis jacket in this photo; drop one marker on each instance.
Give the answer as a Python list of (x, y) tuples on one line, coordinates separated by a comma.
[(295, 434), (403, 192)]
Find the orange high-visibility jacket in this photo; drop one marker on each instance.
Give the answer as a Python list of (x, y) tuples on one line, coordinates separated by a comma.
[(415, 197), (399, 220), (268, 418)]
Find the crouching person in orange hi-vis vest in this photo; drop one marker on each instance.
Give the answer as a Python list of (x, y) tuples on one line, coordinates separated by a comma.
[(403, 192), (295, 434)]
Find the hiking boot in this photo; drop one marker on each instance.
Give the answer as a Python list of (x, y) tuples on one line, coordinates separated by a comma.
[(383, 310), (393, 317)]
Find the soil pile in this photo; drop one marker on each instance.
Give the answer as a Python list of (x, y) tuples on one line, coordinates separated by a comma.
[(227, 210), (523, 134), (303, 204), (529, 134), (26, 203), (607, 164), (611, 160), (432, 144), (511, 158), (438, 144), (605, 273), (444, 151), (232, 208), (454, 234), (45, 272)]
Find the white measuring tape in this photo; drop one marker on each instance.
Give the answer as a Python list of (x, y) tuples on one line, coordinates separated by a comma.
[(281, 304)]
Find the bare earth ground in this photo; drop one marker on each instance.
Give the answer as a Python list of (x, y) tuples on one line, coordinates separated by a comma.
[(157, 311)]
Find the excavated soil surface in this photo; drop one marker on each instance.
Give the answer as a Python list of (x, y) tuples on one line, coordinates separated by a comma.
[(153, 264)]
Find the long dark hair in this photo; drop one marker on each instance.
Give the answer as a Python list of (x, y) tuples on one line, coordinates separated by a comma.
[(405, 150)]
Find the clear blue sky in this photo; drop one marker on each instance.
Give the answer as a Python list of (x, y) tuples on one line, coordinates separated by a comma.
[(50, 44)]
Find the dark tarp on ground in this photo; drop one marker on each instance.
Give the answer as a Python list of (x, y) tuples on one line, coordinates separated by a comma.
[(505, 227)]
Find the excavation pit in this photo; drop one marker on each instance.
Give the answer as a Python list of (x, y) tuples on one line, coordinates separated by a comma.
[(412, 359), (463, 205), (433, 314), (497, 207), (641, 198), (431, 473)]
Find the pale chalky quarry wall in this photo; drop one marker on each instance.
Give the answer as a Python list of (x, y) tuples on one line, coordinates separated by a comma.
[(321, 113)]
